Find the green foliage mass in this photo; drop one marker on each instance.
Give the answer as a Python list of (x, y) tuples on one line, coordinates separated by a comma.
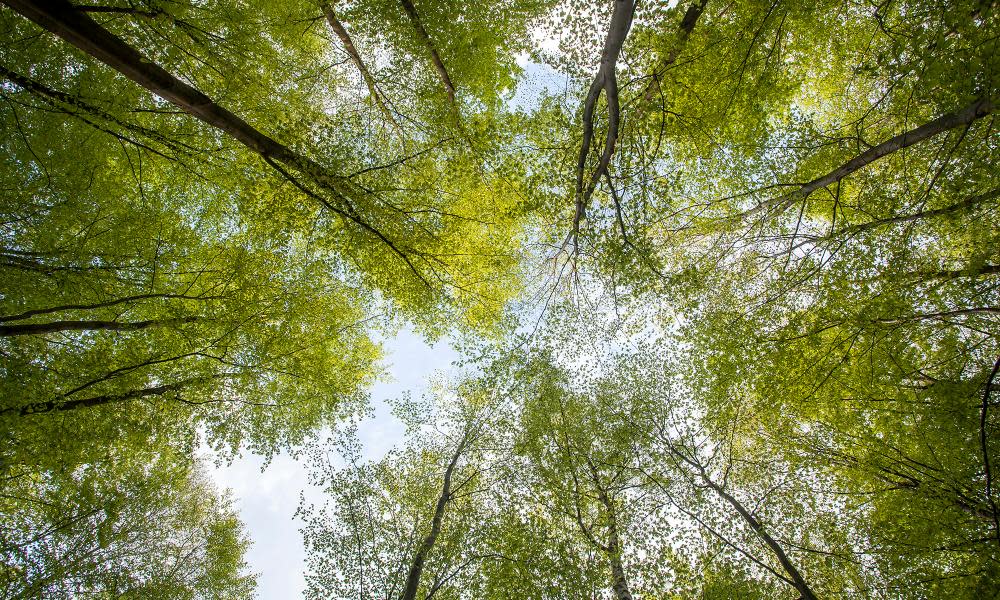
[(727, 294)]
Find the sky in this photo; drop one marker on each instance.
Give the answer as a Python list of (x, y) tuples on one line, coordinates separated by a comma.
[(267, 499)]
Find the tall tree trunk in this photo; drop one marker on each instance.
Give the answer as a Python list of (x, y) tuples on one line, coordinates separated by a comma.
[(619, 582), (417, 565), (76, 27), (65, 307), (798, 581), (794, 577), (57, 326), (373, 90), (690, 19), (411, 12), (66, 404), (605, 80)]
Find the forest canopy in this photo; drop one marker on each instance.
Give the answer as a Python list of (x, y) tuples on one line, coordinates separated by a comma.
[(725, 275)]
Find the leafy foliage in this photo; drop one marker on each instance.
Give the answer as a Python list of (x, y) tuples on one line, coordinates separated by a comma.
[(731, 290)]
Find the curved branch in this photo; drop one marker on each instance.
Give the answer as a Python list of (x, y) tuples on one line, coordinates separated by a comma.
[(976, 110), (64, 405), (65, 307)]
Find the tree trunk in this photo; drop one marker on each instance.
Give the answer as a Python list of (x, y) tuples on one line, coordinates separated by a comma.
[(65, 404), (604, 81), (411, 12), (417, 566), (352, 52), (619, 583), (797, 580), (57, 326), (63, 19), (76, 27), (690, 19), (65, 307)]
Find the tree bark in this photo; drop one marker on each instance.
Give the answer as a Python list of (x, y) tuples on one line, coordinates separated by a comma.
[(417, 565), (65, 404), (57, 326), (965, 116), (411, 12), (352, 52)]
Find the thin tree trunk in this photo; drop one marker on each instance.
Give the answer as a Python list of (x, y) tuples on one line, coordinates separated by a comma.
[(58, 99), (983, 439), (797, 580), (411, 12), (972, 272), (65, 404), (965, 116), (619, 582), (417, 566), (691, 17), (57, 326), (352, 52)]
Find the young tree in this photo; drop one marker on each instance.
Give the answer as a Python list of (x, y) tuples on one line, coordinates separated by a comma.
[(418, 522)]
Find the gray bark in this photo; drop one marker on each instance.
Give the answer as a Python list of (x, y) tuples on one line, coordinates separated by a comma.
[(420, 558), (58, 326), (411, 12)]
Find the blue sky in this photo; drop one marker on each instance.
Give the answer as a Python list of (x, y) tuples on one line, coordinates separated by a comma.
[(267, 499)]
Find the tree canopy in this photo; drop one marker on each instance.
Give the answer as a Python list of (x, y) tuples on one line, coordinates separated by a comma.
[(725, 277)]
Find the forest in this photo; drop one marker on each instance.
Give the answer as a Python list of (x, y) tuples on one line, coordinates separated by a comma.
[(724, 276)]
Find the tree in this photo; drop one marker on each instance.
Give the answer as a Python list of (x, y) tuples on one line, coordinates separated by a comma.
[(136, 525), (415, 523)]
